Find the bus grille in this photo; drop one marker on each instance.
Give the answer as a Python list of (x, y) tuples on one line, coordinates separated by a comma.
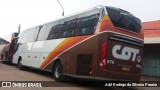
[(84, 62)]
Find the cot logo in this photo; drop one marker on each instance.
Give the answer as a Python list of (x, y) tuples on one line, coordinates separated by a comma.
[(125, 53)]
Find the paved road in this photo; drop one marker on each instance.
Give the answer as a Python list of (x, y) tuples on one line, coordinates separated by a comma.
[(12, 73)]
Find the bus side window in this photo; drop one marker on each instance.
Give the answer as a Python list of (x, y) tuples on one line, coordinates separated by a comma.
[(81, 25), (68, 28), (53, 32), (60, 27), (87, 25), (93, 22)]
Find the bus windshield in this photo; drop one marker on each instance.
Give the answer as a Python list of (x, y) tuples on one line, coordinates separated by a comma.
[(123, 19)]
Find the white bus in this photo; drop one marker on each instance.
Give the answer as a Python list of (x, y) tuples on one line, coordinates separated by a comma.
[(85, 44)]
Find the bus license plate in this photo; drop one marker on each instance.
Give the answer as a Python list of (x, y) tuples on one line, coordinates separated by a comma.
[(125, 68)]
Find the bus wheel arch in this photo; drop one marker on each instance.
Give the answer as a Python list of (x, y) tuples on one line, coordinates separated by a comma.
[(19, 59), (57, 70)]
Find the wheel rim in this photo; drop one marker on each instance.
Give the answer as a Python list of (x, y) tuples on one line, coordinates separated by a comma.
[(58, 71)]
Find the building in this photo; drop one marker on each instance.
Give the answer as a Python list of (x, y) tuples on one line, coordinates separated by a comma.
[(151, 61)]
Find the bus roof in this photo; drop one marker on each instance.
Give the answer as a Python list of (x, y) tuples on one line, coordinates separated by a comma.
[(64, 17)]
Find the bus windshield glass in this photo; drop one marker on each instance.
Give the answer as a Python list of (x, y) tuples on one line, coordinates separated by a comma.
[(123, 19)]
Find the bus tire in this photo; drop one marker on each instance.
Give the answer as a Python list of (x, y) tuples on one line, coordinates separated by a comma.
[(57, 72), (20, 66)]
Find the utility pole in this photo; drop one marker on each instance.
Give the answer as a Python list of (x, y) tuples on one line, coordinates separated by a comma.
[(62, 8)]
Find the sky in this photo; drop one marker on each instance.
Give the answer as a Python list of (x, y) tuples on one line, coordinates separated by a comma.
[(30, 13)]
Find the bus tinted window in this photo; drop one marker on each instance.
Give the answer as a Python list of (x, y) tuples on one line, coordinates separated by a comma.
[(123, 19), (54, 32), (74, 27), (68, 28), (86, 25), (63, 30)]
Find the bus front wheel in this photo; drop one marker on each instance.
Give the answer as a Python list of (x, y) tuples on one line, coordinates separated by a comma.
[(57, 72), (20, 66)]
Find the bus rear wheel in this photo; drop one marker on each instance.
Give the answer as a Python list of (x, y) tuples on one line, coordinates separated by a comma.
[(57, 72)]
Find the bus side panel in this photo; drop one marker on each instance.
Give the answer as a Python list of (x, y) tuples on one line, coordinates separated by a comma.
[(40, 51), (71, 63), (80, 58), (100, 69), (43, 55), (85, 57), (34, 59)]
